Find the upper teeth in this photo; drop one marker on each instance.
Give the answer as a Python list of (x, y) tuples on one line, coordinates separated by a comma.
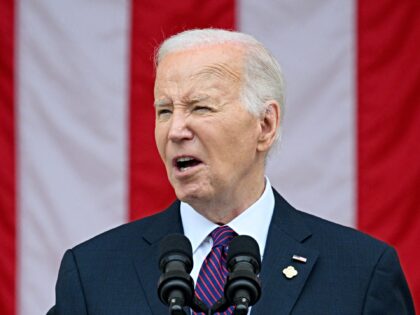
[(184, 159)]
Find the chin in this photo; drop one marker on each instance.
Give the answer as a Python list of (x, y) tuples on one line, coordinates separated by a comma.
[(191, 195), (186, 196)]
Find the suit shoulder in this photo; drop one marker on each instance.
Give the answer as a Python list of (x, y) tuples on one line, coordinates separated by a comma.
[(343, 236), (323, 233), (126, 235)]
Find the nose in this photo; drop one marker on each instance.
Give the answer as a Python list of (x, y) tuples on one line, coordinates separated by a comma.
[(179, 129)]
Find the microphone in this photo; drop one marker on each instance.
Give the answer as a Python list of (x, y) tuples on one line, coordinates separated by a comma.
[(243, 287), (175, 285)]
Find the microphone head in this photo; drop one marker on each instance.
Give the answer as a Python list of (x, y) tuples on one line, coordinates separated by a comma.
[(243, 287), (176, 247), (175, 285), (244, 247)]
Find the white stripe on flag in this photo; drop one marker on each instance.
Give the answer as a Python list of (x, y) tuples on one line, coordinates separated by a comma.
[(314, 167), (72, 113)]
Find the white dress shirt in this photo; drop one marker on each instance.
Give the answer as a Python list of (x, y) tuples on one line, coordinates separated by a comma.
[(254, 222)]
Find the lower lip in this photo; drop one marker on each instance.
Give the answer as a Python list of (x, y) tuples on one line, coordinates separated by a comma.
[(187, 172)]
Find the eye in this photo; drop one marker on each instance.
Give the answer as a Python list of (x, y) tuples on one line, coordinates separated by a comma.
[(164, 112), (202, 109)]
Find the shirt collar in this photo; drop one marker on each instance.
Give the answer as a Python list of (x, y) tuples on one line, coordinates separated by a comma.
[(254, 221)]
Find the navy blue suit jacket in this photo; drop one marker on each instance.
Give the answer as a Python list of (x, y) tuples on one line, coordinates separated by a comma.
[(346, 272)]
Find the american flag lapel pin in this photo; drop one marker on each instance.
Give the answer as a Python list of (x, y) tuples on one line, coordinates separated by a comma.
[(300, 259)]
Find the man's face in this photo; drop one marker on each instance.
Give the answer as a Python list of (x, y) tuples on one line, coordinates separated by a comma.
[(205, 136)]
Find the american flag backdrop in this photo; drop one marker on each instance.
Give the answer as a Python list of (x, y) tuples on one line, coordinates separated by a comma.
[(77, 153)]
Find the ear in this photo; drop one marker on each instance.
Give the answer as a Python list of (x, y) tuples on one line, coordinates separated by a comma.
[(269, 123)]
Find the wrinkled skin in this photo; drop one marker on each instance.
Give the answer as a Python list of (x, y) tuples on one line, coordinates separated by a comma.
[(200, 117)]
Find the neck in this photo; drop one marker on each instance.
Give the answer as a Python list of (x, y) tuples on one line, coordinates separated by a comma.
[(223, 210)]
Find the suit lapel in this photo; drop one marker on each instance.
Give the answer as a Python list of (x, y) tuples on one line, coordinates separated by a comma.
[(285, 238), (146, 262)]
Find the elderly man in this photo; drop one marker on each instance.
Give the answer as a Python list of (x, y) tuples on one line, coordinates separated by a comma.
[(219, 103)]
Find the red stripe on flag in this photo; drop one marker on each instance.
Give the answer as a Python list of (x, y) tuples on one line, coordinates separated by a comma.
[(389, 128), (7, 162), (152, 22)]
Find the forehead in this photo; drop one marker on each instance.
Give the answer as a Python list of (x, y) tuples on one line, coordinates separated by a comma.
[(224, 61)]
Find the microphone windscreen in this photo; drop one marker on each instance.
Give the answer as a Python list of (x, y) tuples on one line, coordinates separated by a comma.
[(244, 245), (174, 244)]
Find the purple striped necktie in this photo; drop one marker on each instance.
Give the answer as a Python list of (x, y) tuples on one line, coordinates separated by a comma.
[(213, 272)]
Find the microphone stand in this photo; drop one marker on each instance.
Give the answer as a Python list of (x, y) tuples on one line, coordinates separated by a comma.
[(177, 302), (241, 307)]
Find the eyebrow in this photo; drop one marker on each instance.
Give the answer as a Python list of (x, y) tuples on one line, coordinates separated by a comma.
[(162, 102), (194, 99)]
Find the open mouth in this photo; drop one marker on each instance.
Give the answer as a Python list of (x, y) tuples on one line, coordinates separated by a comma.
[(186, 162)]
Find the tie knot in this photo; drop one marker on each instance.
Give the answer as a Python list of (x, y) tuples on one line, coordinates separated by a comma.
[(222, 236)]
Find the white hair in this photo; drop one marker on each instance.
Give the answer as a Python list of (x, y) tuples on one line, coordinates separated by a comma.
[(263, 79)]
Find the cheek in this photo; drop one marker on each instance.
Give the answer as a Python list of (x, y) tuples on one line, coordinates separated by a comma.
[(227, 153), (160, 141), (242, 143)]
